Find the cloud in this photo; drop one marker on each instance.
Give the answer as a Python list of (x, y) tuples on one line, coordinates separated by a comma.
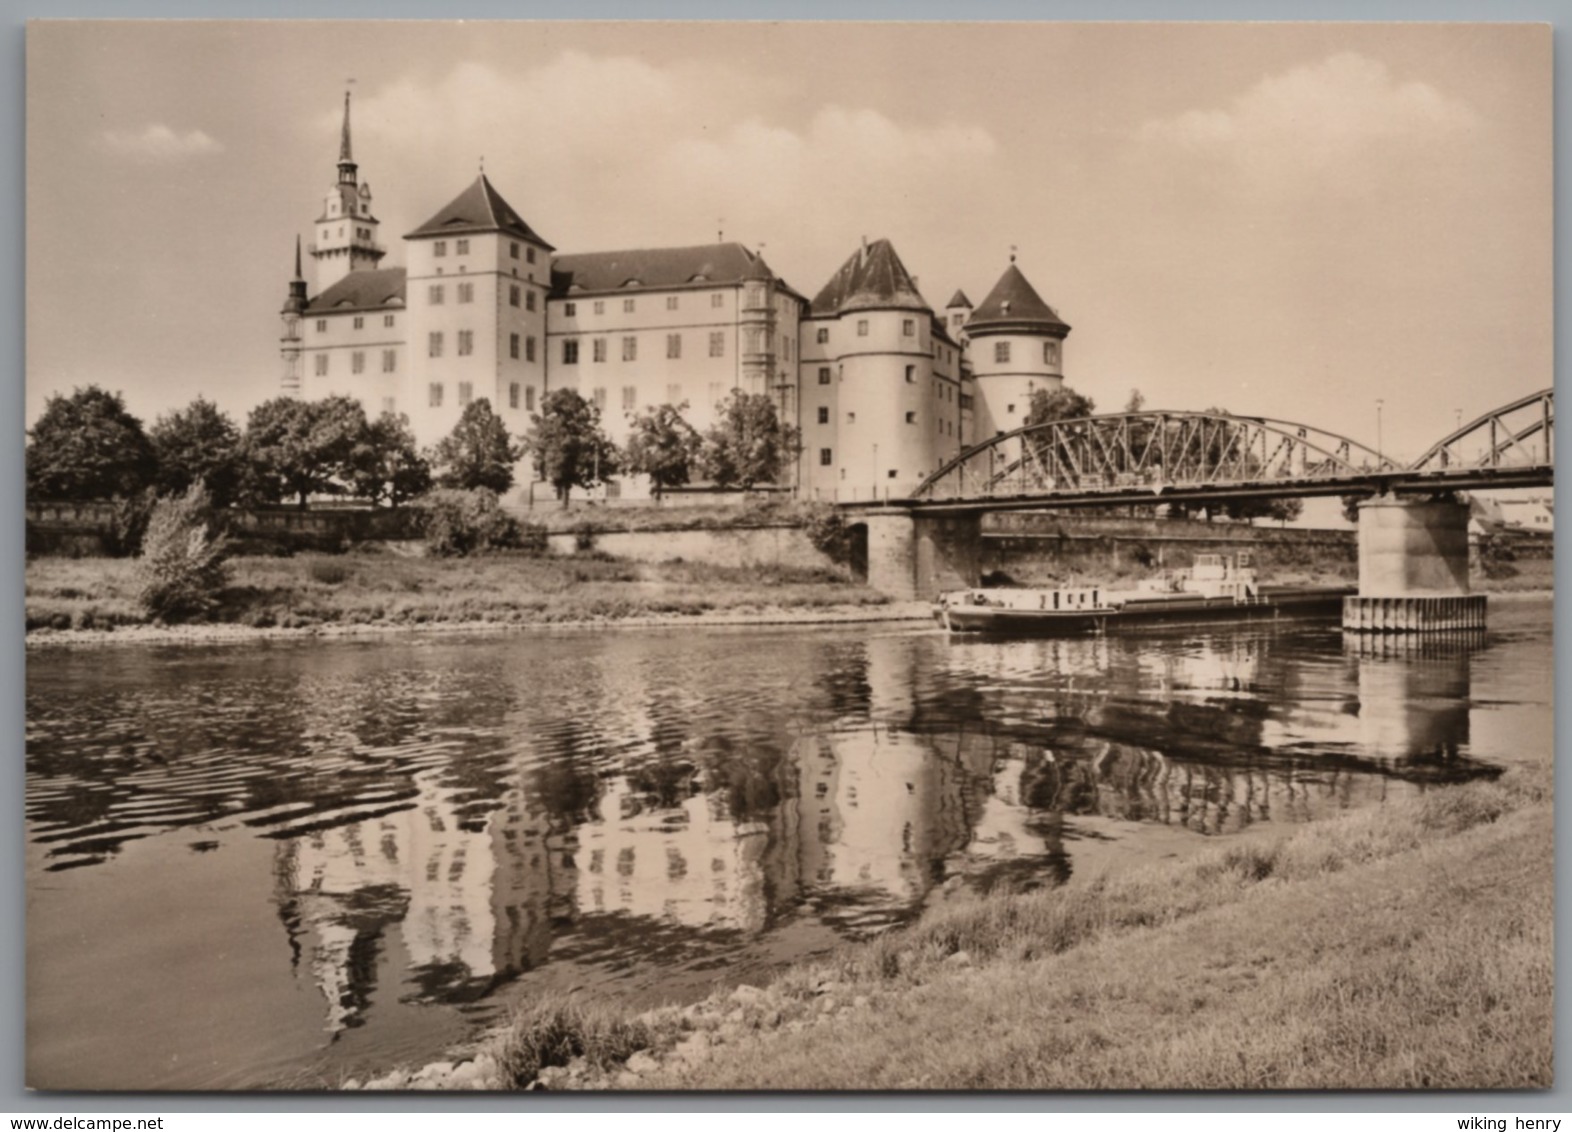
[(609, 151), (157, 142), (1315, 118)]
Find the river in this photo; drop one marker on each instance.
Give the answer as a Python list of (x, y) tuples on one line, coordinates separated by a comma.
[(291, 862)]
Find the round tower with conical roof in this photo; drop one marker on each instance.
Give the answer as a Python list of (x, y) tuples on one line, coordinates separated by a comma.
[(871, 424), (1015, 344)]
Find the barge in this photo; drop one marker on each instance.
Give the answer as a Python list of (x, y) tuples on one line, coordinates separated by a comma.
[(1220, 588)]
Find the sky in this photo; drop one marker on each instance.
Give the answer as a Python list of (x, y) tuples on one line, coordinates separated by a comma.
[(1287, 220)]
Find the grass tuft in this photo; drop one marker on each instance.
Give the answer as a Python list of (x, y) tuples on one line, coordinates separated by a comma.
[(555, 1031)]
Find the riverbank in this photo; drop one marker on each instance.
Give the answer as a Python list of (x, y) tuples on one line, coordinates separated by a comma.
[(1401, 946), (94, 599)]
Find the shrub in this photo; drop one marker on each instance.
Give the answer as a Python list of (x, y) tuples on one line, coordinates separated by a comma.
[(533, 538), (328, 571), (830, 535), (128, 519), (584, 536), (181, 571), (457, 523)]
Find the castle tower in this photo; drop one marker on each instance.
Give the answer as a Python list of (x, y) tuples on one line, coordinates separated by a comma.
[(956, 312), (757, 324), (290, 343), (1016, 347), (477, 282), (346, 232), (876, 415)]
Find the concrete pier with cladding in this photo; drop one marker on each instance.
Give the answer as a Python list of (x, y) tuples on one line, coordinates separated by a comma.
[(1413, 568)]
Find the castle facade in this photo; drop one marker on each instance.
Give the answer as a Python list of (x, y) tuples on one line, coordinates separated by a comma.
[(883, 388)]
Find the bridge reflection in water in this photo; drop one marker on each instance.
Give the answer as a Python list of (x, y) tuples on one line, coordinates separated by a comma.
[(626, 841)]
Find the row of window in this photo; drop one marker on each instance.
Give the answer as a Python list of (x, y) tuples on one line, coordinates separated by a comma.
[(461, 247), (436, 294), (360, 323), (674, 395), (1001, 353), (436, 343), (851, 418), (436, 391), (824, 375), (357, 362), (630, 347), (908, 330), (629, 306)]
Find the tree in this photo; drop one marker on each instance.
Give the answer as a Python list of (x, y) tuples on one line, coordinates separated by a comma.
[(478, 452), (748, 444), (567, 444), (1061, 404), (88, 446), (662, 446), (198, 445), (181, 572), (387, 465), (302, 448)]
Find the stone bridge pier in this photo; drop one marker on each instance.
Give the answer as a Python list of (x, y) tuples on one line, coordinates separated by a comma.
[(1413, 568), (912, 555)]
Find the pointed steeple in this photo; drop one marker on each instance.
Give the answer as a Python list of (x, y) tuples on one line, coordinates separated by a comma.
[(297, 286), (346, 158)]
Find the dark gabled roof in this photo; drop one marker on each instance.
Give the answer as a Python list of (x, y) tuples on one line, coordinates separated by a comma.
[(703, 265), (942, 332), (479, 208), (1014, 304), (958, 299), (873, 277), (362, 291)]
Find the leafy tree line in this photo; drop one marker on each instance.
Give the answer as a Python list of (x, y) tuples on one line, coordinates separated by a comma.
[(748, 445), (88, 447)]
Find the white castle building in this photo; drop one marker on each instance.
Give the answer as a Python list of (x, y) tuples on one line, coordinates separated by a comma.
[(883, 388)]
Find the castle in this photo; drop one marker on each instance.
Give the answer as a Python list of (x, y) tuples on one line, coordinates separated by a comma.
[(883, 388)]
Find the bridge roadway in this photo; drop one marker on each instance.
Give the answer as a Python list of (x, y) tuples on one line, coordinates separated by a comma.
[(1397, 482)]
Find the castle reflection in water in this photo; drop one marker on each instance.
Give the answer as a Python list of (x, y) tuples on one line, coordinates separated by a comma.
[(641, 820)]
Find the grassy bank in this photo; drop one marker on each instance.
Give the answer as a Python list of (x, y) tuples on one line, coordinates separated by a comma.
[(1402, 946), (385, 589)]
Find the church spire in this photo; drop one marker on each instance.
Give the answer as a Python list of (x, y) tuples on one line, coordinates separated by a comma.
[(346, 158), (298, 273)]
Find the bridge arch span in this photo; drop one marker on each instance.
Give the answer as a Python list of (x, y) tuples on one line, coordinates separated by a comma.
[(1153, 452)]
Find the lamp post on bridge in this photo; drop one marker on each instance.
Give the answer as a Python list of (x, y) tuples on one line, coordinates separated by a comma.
[(1380, 448)]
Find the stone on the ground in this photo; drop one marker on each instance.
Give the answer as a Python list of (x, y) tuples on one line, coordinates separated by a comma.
[(960, 959), (746, 995), (642, 1062)]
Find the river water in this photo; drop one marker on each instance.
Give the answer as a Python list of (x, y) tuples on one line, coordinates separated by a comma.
[(286, 863)]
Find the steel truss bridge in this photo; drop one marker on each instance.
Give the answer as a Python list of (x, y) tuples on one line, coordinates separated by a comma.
[(1174, 457)]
